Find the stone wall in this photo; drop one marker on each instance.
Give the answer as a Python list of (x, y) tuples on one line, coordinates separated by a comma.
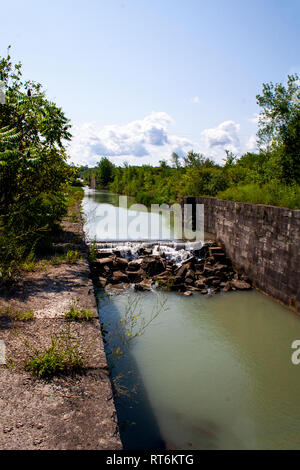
[(262, 241)]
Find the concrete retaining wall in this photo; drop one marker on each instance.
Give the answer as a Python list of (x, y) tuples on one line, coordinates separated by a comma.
[(262, 241)]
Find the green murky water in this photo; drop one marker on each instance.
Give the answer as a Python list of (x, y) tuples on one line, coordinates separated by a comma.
[(210, 372)]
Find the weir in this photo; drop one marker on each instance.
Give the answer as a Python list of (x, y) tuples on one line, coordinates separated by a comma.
[(175, 251)]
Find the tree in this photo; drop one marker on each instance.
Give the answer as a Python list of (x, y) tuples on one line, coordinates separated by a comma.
[(105, 172), (279, 127), (197, 160), (33, 161)]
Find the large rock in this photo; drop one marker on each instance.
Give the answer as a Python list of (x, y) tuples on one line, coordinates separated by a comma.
[(190, 274), (135, 265), (208, 270), (163, 275), (144, 285), (188, 281), (104, 261), (118, 277), (120, 263), (153, 265), (210, 280), (240, 285), (227, 286), (191, 260), (135, 276), (200, 284), (180, 272)]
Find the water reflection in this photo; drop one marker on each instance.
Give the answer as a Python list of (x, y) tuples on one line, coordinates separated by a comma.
[(107, 220), (110, 217)]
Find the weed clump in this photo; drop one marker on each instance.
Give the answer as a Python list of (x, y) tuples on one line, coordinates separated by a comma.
[(78, 315), (22, 316), (70, 257), (65, 356)]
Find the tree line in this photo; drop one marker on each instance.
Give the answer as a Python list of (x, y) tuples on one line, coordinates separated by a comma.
[(269, 176)]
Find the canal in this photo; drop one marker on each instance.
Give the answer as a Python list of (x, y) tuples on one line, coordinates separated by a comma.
[(208, 372)]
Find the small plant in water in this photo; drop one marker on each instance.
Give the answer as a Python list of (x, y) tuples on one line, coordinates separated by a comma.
[(64, 356), (78, 315), (119, 336)]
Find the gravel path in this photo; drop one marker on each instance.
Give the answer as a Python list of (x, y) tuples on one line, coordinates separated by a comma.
[(68, 412)]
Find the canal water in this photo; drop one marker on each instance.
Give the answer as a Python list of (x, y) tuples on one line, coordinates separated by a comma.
[(208, 372)]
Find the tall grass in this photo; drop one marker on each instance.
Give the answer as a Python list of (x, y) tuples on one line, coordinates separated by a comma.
[(274, 194)]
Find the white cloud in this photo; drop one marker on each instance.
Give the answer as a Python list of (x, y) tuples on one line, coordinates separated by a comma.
[(148, 140), (251, 145), (224, 136), (196, 100), (141, 141)]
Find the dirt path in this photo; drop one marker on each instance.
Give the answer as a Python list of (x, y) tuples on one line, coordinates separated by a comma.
[(68, 412)]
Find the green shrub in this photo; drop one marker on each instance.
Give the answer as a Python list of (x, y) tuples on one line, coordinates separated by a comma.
[(78, 315), (74, 195), (64, 356), (274, 194)]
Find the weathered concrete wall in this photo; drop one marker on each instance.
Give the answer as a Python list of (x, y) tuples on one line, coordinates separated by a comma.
[(262, 241)]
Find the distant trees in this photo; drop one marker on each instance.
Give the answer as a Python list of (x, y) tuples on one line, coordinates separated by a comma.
[(197, 160), (270, 176), (105, 172)]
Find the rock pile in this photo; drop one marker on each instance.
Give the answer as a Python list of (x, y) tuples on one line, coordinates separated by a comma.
[(207, 270)]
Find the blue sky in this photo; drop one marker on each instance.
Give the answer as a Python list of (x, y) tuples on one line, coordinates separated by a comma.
[(142, 78)]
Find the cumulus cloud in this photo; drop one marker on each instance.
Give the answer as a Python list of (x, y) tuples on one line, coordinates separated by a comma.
[(224, 136), (141, 141), (196, 100), (251, 145), (149, 140)]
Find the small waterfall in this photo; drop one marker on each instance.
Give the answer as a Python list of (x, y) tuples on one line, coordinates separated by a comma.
[(177, 252)]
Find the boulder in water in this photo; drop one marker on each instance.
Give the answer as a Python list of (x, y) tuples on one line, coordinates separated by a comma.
[(119, 277), (135, 276), (120, 263), (153, 265), (240, 285)]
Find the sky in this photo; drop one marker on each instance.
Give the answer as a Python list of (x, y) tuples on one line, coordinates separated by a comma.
[(140, 79)]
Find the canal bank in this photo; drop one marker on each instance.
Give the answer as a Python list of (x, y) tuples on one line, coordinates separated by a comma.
[(69, 412)]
